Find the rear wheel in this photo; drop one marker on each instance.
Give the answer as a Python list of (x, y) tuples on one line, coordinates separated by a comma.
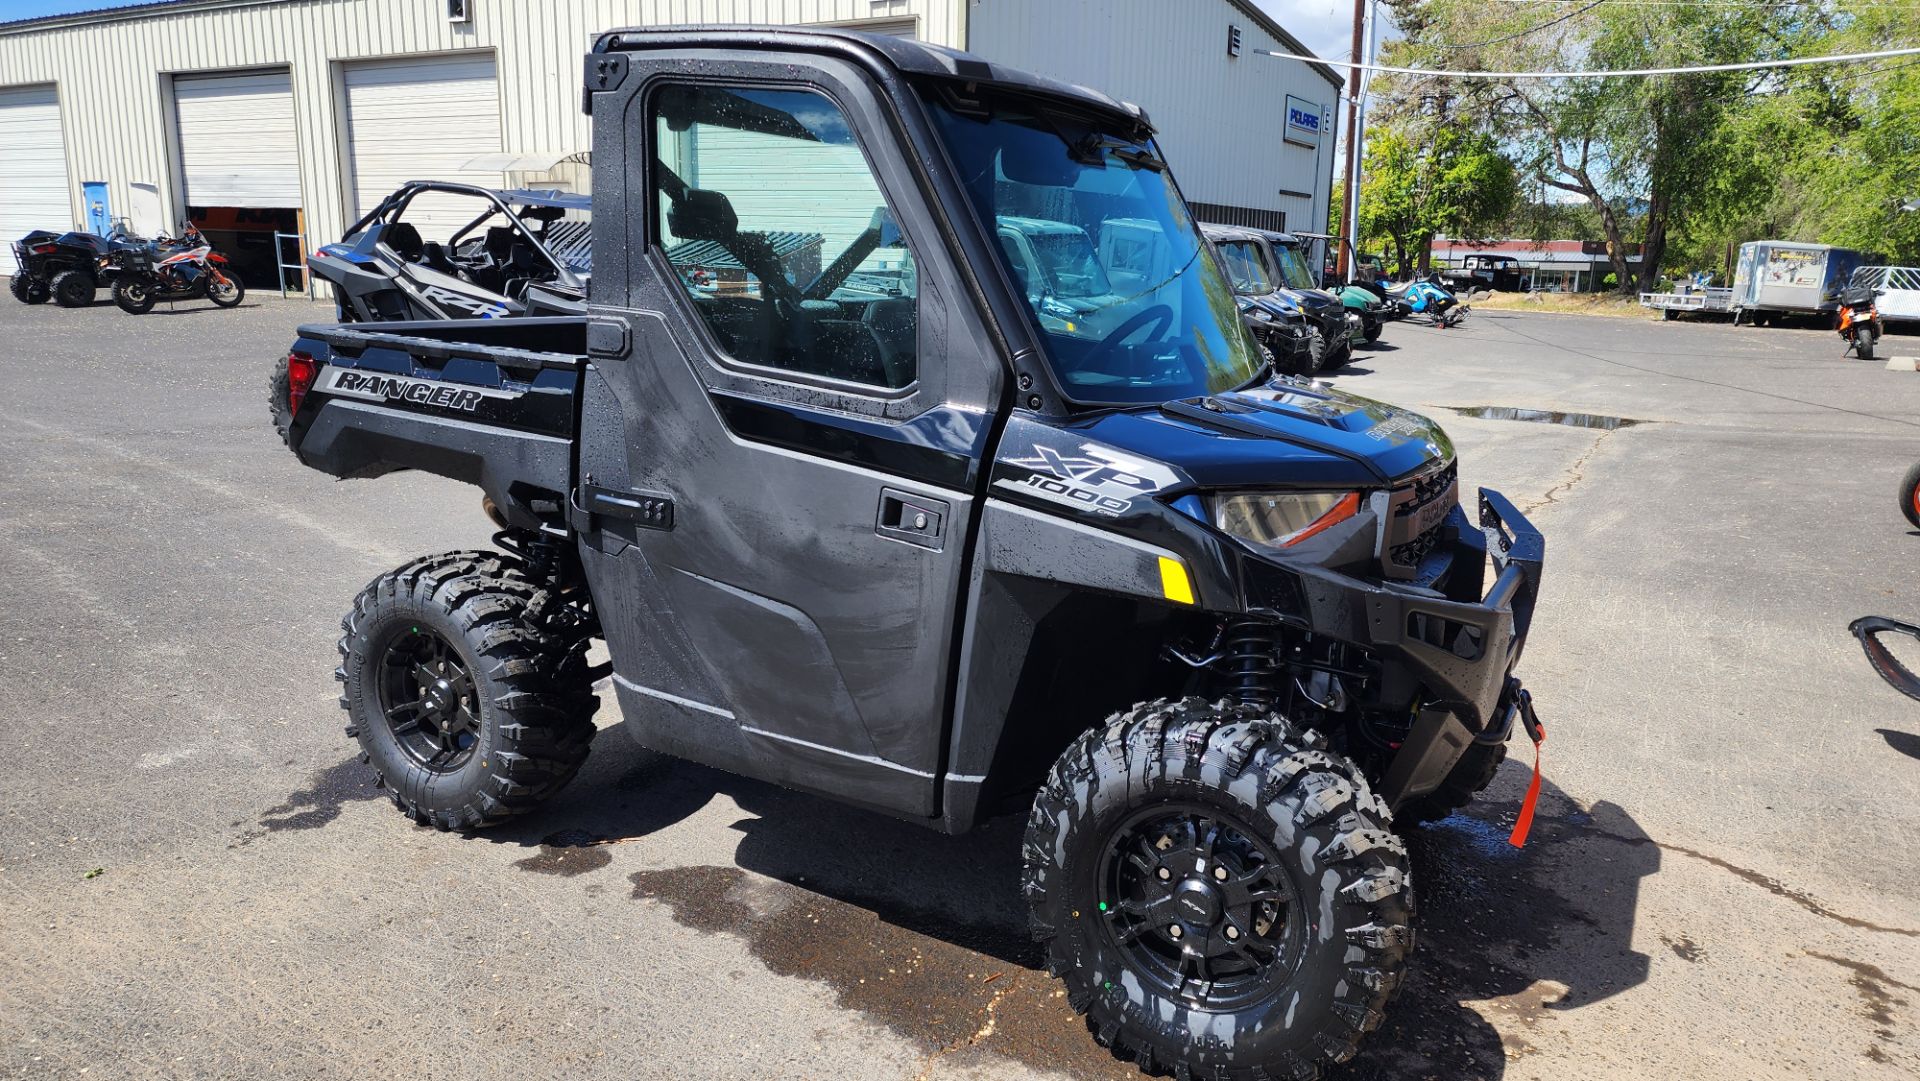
[(27, 289), (1910, 495), (1669, 314), (134, 297), (1863, 343), (72, 289), (468, 707), (1202, 867)]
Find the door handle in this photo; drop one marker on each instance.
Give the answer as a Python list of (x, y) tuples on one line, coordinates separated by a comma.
[(912, 519)]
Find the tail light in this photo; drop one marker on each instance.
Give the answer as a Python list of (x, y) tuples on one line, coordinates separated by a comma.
[(301, 371), (45, 249)]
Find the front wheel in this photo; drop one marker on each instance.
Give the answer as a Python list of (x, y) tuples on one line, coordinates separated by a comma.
[(225, 292), (1910, 495), (469, 708), (1316, 350), (134, 297), (1198, 867)]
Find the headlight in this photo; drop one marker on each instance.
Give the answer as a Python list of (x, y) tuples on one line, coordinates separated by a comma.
[(1282, 519)]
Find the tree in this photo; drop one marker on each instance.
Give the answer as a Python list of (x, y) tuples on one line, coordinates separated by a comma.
[(1636, 149), (1416, 187)]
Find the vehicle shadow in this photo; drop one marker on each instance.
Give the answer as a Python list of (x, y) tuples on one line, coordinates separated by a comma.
[(1906, 743), (191, 308), (910, 926)]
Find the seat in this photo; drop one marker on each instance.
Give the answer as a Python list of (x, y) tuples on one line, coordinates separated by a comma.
[(404, 240)]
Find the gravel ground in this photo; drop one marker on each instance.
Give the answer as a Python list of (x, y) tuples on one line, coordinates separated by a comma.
[(197, 879)]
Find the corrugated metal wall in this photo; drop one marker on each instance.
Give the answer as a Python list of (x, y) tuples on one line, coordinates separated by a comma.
[(115, 72), (1220, 118)]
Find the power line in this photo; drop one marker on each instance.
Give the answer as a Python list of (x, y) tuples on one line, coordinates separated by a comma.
[(1616, 73)]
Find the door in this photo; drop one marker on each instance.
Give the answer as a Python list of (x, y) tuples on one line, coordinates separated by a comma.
[(33, 168), (99, 211), (421, 119), (236, 140), (800, 391)]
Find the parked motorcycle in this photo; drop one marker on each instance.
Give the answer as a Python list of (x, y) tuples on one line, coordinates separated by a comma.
[(189, 270), (1426, 296), (1860, 324)]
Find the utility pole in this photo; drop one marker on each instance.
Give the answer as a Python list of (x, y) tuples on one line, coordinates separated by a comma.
[(1350, 203)]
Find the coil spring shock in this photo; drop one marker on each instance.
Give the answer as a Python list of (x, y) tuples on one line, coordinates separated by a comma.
[(1249, 661)]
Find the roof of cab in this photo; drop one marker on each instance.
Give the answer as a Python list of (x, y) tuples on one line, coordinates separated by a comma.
[(903, 55)]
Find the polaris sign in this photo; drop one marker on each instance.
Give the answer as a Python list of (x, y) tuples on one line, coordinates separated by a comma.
[(1303, 122)]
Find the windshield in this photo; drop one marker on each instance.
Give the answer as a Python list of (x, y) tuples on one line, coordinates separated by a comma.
[(1294, 268), (1129, 307), (1245, 267)]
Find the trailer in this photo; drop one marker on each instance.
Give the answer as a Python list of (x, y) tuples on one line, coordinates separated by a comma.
[(1899, 289), (1776, 277), (1690, 300)]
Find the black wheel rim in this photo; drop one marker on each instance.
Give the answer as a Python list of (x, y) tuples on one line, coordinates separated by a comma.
[(427, 699), (1199, 907)]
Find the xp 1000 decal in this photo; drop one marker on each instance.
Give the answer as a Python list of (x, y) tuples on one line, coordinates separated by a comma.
[(1090, 477)]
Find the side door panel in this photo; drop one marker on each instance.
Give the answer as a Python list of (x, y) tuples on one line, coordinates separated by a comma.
[(796, 620)]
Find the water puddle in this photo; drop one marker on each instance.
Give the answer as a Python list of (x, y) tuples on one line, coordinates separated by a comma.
[(1546, 416), (964, 1004)]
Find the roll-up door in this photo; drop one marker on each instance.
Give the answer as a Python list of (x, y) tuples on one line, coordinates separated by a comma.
[(421, 119), (237, 145), (33, 168)]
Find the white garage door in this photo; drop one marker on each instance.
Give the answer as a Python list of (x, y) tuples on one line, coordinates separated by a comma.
[(237, 146), (33, 168), (422, 120)]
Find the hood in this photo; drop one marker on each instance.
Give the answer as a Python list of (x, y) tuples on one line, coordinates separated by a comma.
[(1289, 433)]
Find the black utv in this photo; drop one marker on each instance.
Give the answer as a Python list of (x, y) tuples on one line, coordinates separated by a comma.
[(1260, 264), (66, 268), (870, 520)]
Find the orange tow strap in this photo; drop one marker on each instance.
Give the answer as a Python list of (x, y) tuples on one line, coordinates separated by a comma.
[(1538, 732)]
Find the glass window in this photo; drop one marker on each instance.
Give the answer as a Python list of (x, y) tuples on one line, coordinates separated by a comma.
[(1245, 266), (1293, 268), (1094, 232), (780, 236)]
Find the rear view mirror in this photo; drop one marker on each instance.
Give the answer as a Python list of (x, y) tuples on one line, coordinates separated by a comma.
[(701, 214), (1045, 165)]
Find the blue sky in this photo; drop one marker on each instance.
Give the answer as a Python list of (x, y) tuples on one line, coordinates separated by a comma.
[(1325, 25), (33, 9)]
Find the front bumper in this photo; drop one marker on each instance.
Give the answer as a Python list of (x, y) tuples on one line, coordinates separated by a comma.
[(1447, 654)]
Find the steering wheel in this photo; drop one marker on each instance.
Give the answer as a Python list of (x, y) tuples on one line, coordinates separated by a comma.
[(1160, 317)]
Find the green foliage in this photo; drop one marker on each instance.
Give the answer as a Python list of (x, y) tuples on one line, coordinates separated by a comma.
[(1419, 185), (1688, 166)]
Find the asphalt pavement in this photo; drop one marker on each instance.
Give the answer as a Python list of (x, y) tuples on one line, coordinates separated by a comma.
[(198, 880)]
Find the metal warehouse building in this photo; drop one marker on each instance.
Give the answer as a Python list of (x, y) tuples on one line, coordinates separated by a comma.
[(257, 117)]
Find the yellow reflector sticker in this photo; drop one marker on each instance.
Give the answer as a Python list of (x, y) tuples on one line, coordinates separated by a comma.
[(1173, 581)]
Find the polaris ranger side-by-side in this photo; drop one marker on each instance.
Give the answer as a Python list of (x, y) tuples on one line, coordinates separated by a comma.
[(868, 519)]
